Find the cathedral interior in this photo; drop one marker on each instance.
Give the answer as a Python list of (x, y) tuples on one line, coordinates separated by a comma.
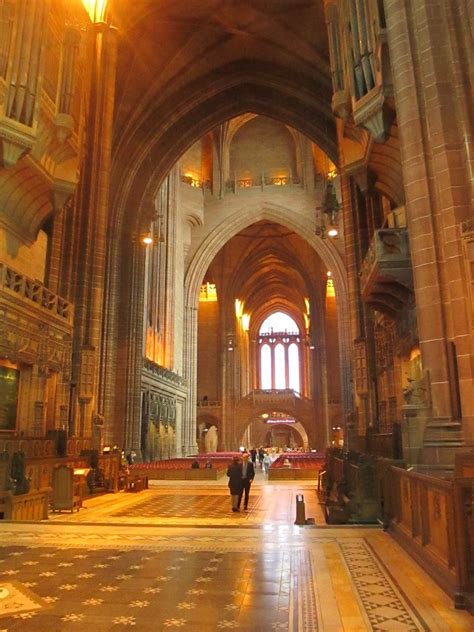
[(229, 224)]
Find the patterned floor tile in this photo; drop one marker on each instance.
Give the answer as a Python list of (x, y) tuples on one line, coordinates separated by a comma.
[(222, 594)]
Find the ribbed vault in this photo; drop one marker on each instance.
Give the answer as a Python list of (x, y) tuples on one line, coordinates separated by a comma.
[(252, 57)]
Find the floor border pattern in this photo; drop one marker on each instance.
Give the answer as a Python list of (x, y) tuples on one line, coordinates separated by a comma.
[(381, 601)]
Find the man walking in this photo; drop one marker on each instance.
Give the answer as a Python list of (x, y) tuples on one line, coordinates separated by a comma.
[(248, 474)]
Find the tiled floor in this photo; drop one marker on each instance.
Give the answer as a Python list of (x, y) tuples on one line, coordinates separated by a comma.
[(254, 571), (174, 503)]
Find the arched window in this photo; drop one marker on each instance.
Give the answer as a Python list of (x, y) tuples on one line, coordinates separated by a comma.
[(279, 353), (266, 367)]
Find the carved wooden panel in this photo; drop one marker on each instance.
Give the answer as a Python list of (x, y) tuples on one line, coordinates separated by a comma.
[(360, 367)]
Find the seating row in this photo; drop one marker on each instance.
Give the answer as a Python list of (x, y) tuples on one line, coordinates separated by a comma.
[(179, 464)]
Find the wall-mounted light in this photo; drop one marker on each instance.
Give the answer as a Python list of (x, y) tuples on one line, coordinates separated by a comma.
[(96, 9), (239, 308), (208, 293), (147, 240)]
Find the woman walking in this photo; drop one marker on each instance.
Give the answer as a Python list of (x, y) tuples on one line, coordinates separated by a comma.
[(234, 472)]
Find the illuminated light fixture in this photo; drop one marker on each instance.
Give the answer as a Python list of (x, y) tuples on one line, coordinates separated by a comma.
[(265, 416), (311, 347), (208, 293), (329, 273), (96, 9), (245, 322), (192, 180), (147, 240), (330, 292), (239, 308), (330, 208)]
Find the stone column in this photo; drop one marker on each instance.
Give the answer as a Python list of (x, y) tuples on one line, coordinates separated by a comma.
[(188, 435), (133, 358), (89, 252), (355, 309), (431, 101)]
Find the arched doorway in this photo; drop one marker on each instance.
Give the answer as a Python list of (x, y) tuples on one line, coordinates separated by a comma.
[(275, 429)]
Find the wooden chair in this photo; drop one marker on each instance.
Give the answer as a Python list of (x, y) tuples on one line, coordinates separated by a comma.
[(66, 493)]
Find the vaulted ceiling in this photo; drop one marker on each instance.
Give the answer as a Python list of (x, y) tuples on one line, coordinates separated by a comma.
[(267, 265), (185, 67)]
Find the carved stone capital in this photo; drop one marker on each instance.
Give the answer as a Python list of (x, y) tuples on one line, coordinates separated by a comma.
[(372, 113), (341, 104), (15, 140)]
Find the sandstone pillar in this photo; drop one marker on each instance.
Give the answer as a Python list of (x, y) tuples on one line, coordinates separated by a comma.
[(188, 435), (434, 138), (89, 252)]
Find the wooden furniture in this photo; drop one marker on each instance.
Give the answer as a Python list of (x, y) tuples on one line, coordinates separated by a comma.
[(432, 518), (66, 491), (30, 506), (136, 484)]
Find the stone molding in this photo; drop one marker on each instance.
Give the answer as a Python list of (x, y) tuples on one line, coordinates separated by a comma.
[(163, 374)]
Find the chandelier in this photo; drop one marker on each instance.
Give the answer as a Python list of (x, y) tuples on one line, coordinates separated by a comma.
[(330, 209)]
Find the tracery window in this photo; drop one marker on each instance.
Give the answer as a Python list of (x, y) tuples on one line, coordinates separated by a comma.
[(279, 353)]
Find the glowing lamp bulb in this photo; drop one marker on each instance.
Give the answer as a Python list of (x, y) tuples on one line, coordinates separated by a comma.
[(147, 240), (333, 232)]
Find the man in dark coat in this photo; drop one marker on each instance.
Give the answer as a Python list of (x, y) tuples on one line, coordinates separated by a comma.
[(248, 474), (234, 472)]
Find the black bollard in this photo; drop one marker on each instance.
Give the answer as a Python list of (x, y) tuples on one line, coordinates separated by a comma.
[(300, 510)]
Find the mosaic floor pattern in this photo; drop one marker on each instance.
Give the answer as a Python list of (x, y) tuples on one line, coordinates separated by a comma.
[(156, 590), (127, 568), (194, 504), (177, 506)]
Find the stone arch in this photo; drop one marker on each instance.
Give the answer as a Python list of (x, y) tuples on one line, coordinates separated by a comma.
[(239, 89), (252, 418), (328, 253), (267, 310), (297, 426), (267, 211)]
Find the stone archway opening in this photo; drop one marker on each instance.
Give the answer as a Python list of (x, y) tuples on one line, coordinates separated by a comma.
[(275, 430), (207, 433)]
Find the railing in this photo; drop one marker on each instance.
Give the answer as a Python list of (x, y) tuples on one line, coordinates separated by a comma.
[(163, 374), (31, 506), (42, 448), (274, 395), (264, 181), (432, 518), (39, 472), (34, 292), (209, 403), (389, 247), (380, 444)]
